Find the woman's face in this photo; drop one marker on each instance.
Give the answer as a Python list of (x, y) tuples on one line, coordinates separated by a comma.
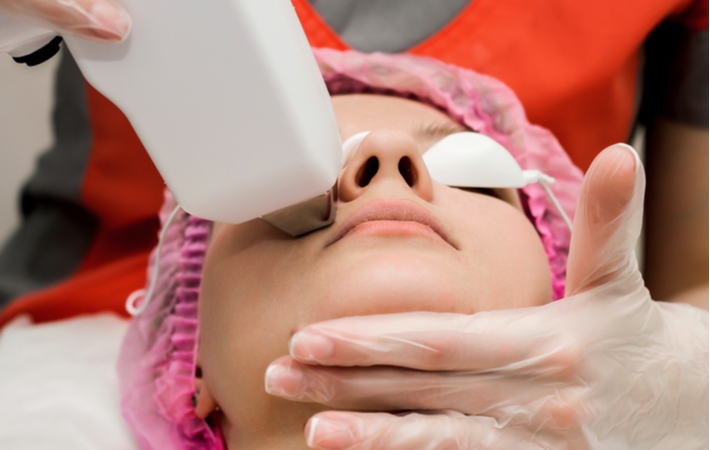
[(400, 242)]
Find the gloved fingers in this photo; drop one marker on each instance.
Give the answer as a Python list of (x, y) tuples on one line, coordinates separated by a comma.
[(98, 19), (503, 397), (442, 430), (509, 340), (607, 221)]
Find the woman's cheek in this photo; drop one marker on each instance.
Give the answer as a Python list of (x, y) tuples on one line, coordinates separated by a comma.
[(500, 240)]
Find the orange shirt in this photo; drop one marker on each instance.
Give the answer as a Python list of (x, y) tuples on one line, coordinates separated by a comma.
[(573, 64)]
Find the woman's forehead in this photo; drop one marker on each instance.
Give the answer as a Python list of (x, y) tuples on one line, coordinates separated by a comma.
[(362, 112)]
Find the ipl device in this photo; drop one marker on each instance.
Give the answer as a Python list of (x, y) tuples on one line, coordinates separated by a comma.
[(227, 99)]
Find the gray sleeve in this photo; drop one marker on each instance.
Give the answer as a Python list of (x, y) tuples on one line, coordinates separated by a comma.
[(56, 229), (387, 25)]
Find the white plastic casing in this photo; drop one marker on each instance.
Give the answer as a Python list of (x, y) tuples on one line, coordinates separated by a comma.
[(228, 100), (470, 159)]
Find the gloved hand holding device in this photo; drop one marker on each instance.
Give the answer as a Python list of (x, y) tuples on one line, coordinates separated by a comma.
[(105, 20), (606, 367)]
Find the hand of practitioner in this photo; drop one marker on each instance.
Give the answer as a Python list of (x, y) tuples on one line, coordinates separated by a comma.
[(604, 368), (104, 20)]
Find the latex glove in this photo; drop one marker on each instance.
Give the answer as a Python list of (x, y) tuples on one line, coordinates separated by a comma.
[(104, 20), (605, 368)]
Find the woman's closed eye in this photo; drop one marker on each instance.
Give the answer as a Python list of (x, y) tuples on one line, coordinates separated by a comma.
[(507, 195), (485, 191)]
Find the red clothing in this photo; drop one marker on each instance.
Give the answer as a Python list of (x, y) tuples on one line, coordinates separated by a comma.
[(574, 65), (121, 187)]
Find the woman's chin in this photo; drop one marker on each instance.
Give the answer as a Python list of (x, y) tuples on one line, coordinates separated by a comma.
[(391, 282)]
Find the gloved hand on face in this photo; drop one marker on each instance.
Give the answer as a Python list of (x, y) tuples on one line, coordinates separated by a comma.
[(606, 367), (104, 20)]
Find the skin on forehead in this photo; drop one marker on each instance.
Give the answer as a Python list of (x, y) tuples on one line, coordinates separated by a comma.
[(355, 115), (260, 286)]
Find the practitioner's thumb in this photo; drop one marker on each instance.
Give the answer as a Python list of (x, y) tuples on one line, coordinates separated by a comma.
[(607, 221)]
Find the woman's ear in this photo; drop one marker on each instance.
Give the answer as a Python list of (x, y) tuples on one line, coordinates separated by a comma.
[(203, 400)]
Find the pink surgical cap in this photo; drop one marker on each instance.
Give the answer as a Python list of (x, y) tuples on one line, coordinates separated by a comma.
[(157, 362)]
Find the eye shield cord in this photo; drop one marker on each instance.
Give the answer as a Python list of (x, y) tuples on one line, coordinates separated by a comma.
[(535, 176), (556, 203), (132, 299)]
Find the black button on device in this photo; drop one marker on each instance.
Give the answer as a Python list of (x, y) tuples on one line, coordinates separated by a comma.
[(41, 55)]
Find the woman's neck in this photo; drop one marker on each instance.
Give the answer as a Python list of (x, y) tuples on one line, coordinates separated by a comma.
[(283, 431)]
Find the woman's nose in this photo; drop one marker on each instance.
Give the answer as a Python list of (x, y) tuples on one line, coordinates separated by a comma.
[(385, 156)]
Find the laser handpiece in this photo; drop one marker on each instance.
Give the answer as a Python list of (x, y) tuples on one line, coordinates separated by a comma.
[(227, 99)]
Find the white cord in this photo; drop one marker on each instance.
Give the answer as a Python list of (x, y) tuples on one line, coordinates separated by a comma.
[(535, 176), (132, 299), (556, 203)]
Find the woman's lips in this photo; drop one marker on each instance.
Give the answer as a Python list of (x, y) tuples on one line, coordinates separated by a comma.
[(391, 217)]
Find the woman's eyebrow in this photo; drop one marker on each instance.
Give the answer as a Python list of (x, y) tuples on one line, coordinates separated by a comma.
[(431, 130)]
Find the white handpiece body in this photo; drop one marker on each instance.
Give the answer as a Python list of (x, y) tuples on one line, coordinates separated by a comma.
[(228, 100)]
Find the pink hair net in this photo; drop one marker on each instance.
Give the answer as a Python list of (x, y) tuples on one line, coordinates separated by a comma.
[(157, 361)]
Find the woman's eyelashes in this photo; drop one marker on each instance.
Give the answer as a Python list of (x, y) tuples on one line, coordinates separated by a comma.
[(484, 191)]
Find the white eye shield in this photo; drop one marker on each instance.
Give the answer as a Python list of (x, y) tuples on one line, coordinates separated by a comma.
[(473, 160)]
